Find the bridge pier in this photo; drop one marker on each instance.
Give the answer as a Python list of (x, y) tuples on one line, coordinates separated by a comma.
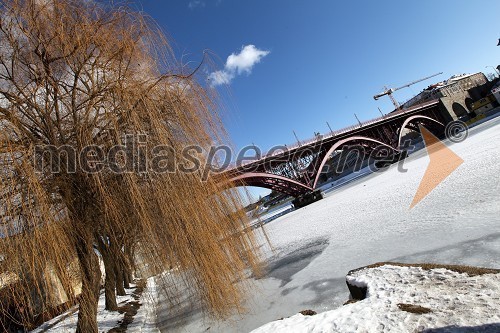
[(307, 199)]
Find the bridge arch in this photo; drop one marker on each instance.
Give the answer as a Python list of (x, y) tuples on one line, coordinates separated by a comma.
[(459, 109), (409, 120), (339, 144), (272, 182)]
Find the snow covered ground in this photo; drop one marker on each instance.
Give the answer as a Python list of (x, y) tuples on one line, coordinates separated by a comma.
[(66, 323), (453, 299), (369, 221), (366, 221)]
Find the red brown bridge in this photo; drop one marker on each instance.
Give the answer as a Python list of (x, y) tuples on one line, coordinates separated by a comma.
[(296, 170)]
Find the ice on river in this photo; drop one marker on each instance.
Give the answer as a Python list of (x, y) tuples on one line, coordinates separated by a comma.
[(368, 221)]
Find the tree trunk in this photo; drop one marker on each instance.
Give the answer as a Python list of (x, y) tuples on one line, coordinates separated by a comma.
[(130, 263), (126, 271), (126, 278), (109, 283), (120, 290), (90, 273), (130, 276), (117, 254)]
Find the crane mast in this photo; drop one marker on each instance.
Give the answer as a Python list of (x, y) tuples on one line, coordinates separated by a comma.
[(390, 91)]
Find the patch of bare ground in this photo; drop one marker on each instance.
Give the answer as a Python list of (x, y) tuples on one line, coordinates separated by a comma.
[(307, 312), (412, 308), (304, 313), (350, 301)]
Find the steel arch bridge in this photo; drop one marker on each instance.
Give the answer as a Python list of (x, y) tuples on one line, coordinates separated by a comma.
[(296, 170)]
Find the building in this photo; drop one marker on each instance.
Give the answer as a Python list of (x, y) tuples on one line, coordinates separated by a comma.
[(457, 94), (496, 92), (484, 105)]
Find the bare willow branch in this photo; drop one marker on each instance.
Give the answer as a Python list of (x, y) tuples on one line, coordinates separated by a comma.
[(75, 74)]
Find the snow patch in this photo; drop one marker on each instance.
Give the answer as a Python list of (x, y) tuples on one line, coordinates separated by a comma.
[(455, 299), (357, 282), (66, 322)]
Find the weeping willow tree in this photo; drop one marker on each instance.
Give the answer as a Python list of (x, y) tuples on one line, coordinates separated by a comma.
[(80, 83)]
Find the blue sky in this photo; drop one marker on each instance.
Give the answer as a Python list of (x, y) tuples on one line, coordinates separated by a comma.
[(324, 60)]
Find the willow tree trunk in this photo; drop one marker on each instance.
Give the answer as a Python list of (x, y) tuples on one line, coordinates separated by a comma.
[(118, 266), (89, 298), (130, 261), (126, 279), (120, 290), (126, 271), (109, 282)]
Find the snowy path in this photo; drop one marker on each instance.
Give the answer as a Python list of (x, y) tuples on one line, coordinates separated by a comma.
[(369, 221)]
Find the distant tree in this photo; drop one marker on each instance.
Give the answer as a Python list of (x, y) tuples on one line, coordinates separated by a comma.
[(76, 75)]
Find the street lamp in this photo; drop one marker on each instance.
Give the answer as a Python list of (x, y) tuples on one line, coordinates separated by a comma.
[(495, 70)]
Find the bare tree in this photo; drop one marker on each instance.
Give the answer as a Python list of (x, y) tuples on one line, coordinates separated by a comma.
[(77, 80)]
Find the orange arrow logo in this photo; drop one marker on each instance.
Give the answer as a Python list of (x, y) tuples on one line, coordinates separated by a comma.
[(442, 163)]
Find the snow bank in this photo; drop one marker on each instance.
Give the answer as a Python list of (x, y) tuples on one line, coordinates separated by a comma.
[(455, 300)]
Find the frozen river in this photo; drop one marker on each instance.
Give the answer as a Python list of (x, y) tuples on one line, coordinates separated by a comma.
[(368, 221)]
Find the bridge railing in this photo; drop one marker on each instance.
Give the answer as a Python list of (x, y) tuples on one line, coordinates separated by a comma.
[(353, 127)]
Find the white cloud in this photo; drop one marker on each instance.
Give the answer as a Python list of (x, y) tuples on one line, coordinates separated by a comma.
[(196, 3), (246, 59), (236, 64), (220, 77)]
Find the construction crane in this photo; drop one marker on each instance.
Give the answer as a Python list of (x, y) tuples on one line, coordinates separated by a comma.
[(389, 91)]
